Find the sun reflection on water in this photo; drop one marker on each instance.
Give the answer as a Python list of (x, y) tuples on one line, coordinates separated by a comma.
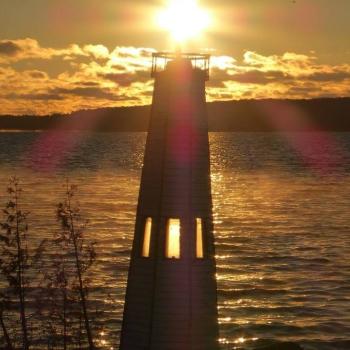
[(282, 250)]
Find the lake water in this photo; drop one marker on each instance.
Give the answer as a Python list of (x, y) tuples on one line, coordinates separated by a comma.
[(282, 225)]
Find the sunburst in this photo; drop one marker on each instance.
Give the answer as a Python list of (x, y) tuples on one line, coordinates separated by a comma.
[(184, 19)]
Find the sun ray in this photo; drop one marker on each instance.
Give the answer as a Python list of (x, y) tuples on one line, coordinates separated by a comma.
[(184, 19)]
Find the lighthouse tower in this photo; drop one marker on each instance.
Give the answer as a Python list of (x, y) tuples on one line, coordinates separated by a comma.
[(171, 300)]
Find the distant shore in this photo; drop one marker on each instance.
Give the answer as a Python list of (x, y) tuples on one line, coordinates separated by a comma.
[(328, 114)]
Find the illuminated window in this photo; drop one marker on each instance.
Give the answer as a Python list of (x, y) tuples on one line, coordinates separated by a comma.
[(199, 239), (147, 238), (172, 249)]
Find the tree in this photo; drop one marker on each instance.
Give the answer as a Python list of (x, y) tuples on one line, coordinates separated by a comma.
[(4, 328), (17, 262), (14, 252), (72, 240)]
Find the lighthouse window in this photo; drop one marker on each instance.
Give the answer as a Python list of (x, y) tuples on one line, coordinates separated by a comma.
[(172, 249), (147, 238), (199, 239)]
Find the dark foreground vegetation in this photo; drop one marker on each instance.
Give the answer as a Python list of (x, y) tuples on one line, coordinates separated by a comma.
[(44, 289), (330, 114)]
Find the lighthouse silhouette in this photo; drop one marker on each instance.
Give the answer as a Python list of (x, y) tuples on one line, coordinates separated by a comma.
[(171, 297)]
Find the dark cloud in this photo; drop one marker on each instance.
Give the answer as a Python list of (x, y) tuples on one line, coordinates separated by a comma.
[(126, 79), (221, 95), (94, 92), (254, 76), (148, 93), (91, 92), (36, 97), (119, 67), (218, 77), (260, 77), (122, 79), (335, 76), (143, 75), (9, 48), (37, 75), (146, 53), (90, 83), (299, 90)]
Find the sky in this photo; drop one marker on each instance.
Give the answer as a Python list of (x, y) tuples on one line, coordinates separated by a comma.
[(58, 56)]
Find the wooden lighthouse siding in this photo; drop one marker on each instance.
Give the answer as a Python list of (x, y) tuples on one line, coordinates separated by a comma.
[(171, 303)]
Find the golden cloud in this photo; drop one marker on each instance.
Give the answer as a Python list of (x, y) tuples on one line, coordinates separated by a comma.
[(99, 77), (22, 49)]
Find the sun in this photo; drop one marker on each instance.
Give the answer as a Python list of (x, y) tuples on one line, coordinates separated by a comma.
[(184, 19)]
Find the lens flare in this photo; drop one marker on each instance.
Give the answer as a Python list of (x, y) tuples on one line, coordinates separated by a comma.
[(184, 19)]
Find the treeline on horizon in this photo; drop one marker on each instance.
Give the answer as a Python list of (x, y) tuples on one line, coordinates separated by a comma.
[(329, 114)]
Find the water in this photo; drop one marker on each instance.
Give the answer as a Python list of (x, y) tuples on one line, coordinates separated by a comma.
[(282, 223)]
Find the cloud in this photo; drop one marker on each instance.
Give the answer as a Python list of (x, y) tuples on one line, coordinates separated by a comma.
[(247, 76), (330, 76), (260, 77), (287, 62), (93, 76), (97, 51), (128, 78), (24, 49), (290, 75), (35, 74), (34, 96), (9, 48), (94, 92)]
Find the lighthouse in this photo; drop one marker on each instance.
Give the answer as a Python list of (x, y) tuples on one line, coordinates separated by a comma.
[(171, 296)]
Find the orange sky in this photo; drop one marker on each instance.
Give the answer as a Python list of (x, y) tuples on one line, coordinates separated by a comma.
[(62, 55)]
